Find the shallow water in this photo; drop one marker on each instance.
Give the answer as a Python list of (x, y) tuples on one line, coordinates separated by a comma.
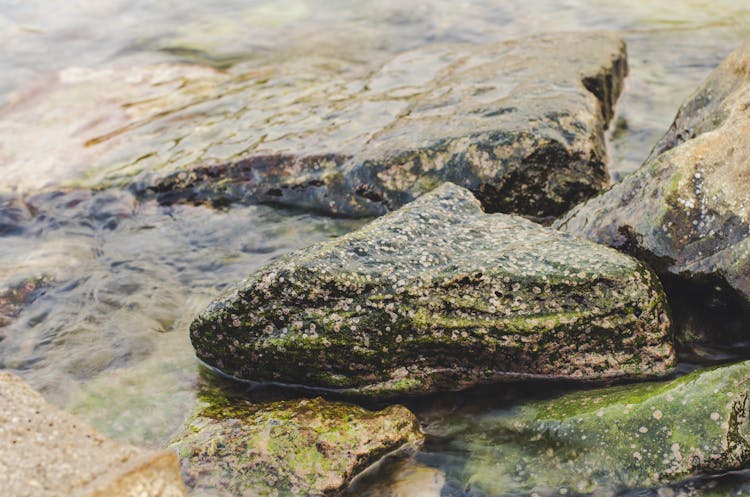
[(106, 333)]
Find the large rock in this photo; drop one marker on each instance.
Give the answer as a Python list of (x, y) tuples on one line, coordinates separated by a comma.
[(687, 210), (520, 123), (642, 435), (307, 447), (440, 295), (47, 452)]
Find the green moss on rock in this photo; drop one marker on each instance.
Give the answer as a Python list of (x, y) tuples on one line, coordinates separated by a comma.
[(631, 436), (440, 296), (304, 447)]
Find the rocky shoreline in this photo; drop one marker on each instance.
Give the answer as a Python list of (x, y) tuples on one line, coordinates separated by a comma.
[(450, 288)]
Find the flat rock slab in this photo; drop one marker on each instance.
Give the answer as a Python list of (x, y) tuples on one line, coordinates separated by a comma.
[(687, 210), (607, 440), (304, 447), (520, 123), (47, 452), (439, 296)]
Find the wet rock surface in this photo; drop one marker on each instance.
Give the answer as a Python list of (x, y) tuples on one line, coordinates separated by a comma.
[(303, 447), (520, 123), (686, 211), (440, 296), (47, 452), (643, 435)]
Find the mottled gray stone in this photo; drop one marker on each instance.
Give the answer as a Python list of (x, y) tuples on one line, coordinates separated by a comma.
[(520, 123), (439, 296), (687, 210)]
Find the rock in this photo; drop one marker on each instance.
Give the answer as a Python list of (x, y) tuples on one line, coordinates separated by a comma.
[(47, 452), (686, 211), (15, 296), (440, 296), (402, 478), (307, 447), (417, 481), (641, 435), (520, 123)]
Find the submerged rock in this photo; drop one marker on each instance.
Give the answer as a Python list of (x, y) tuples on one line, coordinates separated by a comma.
[(520, 123), (47, 452), (687, 210), (440, 296), (15, 296), (641, 435), (307, 447)]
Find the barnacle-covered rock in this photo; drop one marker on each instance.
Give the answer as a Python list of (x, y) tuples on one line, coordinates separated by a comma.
[(641, 435), (303, 447), (521, 123), (687, 210), (439, 296)]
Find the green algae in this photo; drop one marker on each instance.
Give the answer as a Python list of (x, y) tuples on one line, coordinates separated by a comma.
[(286, 448), (630, 436)]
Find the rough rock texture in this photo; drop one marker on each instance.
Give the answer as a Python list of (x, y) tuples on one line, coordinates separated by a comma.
[(687, 210), (47, 452), (436, 296), (640, 435), (307, 447), (520, 123)]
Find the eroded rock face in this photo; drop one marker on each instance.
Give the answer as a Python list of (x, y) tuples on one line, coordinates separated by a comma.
[(47, 452), (631, 436), (304, 447), (687, 210), (520, 123), (440, 296)]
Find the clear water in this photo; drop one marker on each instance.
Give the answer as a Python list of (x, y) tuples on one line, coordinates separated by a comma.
[(107, 335)]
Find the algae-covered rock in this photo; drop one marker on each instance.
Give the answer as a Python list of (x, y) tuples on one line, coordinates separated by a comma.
[(307, 447), (521, 123), (440, 296), (631, 436), (687, 210)]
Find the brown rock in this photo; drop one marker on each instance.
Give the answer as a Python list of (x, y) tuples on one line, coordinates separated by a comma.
[(686, 211), (48, 452)]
